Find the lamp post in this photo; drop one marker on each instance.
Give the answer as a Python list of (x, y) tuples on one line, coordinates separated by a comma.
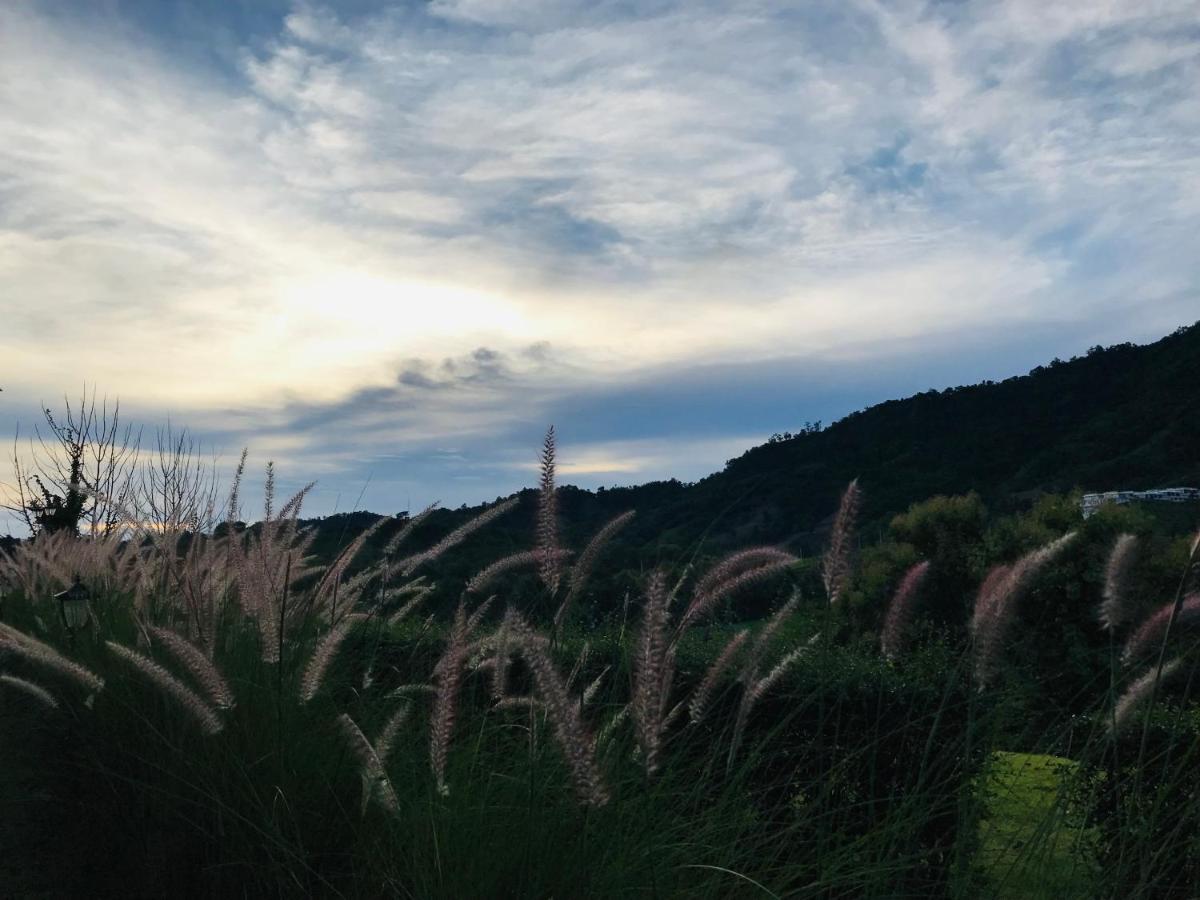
[(73, 605)]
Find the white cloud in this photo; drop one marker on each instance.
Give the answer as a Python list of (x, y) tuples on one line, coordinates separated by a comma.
[(692, 182), (416, 206)]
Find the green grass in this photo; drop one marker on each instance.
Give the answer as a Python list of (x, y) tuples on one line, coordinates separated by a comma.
[(1032, 845)]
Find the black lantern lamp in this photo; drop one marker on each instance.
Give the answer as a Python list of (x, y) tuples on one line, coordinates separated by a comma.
[(73, 604)]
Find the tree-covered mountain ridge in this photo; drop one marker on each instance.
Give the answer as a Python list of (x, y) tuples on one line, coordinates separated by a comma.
[(1120, 417)]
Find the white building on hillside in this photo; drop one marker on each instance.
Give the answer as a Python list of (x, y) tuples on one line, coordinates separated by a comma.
[(1092, 502)]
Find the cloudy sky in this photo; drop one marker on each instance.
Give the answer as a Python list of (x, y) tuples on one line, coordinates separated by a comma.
[(385, 244)]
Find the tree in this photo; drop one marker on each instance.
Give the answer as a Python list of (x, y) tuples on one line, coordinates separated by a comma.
[(950, 532), (176, 490), (78, 472)]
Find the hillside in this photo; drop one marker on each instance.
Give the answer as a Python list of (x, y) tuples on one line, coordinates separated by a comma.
[(1124, 416)]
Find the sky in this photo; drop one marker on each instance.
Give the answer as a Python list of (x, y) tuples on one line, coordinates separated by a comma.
[(386, 244)]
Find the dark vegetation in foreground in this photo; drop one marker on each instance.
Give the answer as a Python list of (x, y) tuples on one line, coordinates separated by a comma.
[(239, 719)]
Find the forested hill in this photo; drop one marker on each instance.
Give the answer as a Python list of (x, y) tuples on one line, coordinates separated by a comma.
[(1123, 417)]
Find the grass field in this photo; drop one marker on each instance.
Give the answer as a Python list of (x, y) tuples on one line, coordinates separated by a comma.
[(1032, 845)]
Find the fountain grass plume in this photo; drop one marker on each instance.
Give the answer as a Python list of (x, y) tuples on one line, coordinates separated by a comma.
[(485, 577), (997, 602), (518, 702), (476, 618), (768, 681), (1149, 635), (455, 537), (736, 563), (233, 507), (547, 517), (561, 709), (406, 531), (590, 692), (698, 705), (391, 728), (762, 641), (447, 676), (582, 570), (1114, 608), (408, 690), (731, 574), (580, 661), (836, 568), (985, 598), (757, 686), (36, 691), (375, 781), (198, 665), (47, 657), (500, 661), (413, 586), (1139, 691), (267, 564), (900, 611), (323, 654), (335, 570), (404, 611), (185, 698), (653, 670), (290, 511), (754, 686), (604, 735)]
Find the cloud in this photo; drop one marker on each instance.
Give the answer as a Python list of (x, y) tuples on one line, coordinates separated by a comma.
[(291, 216)]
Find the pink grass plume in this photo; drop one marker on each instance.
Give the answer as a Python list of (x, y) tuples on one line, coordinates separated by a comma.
[(1114, 608), (1149, 635), (835, 567), (900, 611)]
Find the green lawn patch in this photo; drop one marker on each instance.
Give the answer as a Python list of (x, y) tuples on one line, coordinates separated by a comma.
[(1032, 842)]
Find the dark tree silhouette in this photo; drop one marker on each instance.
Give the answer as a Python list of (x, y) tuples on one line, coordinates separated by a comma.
[(77, 472)]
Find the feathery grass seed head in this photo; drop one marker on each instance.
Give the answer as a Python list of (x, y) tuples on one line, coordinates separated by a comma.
[(547, 517), (1138, 692), (199, 666), (900, 611), (36, 691), (43, 655), (698, 706), (653, 670), (836, 564), (582, 570), (563, 712), (375, 781), (730, 575), (322, 657), (391, 728), (1149, 635), (187, 699), (1114, 609), (996, 605)]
